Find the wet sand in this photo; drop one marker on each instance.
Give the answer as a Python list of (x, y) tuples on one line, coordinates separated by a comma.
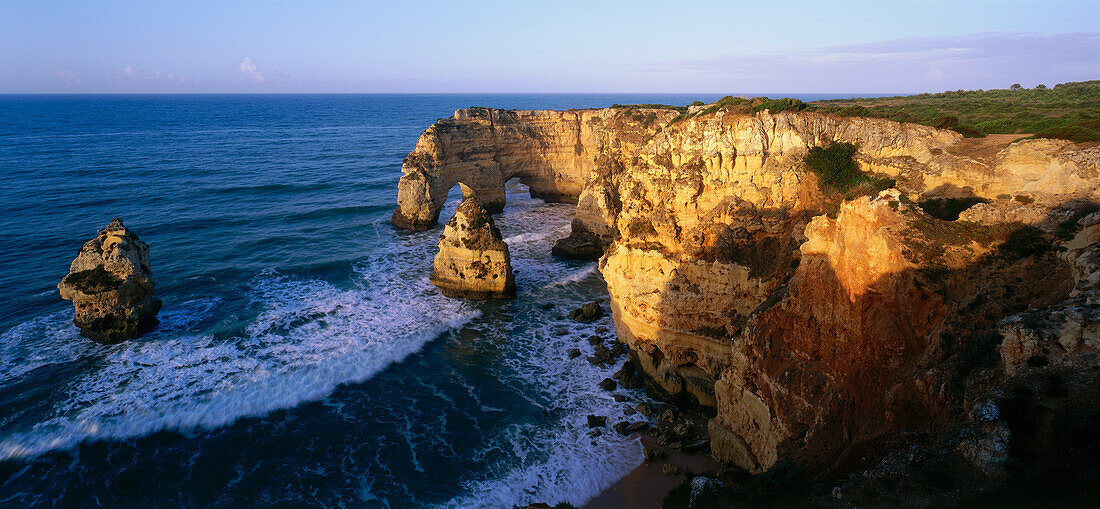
[(645, 487)]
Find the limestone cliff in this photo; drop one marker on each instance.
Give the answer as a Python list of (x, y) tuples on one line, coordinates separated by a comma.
[(821, 327), (473, 260), (553, 152), (111, 286)]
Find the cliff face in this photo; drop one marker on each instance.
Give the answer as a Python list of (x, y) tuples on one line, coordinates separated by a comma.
[(111, 286), (819, 329), (553, 152)]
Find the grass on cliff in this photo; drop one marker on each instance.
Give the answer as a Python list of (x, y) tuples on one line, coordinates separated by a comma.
[(838, 172), (746, 105), (1068, 111)]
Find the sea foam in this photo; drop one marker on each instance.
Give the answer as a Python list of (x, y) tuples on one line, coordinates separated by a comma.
[(308, 338)]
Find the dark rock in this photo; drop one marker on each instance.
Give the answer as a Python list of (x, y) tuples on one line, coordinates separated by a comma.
[(587, 313), (620, 397), (653, 454), (619, 348), (584, 247), (608, 384), (602, 354), (621, 427), (629, 411), (594, 340), (628, 377), (574, 353), (637, 426), (645, 409), (547, 306), (696, 446), (595, 421), (670, 470)]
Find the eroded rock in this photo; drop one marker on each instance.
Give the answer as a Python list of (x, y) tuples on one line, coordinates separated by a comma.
[(111, 286), (473, 261)]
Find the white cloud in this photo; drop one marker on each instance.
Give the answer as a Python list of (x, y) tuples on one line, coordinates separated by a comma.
[(250, 70), (133, 73), (68, 77), (981, 60)]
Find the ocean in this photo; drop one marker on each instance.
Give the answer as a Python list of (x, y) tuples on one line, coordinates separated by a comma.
[(303, 358)]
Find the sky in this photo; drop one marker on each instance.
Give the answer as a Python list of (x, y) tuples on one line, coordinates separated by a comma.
[(427, 46)]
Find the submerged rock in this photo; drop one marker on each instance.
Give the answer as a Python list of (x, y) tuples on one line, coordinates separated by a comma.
[(111, 286), (473, 260)]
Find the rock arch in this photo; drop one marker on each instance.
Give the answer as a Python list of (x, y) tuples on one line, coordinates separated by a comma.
[(553, 153)]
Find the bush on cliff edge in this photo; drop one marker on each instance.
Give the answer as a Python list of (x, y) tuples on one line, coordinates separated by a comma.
[(837, 171)]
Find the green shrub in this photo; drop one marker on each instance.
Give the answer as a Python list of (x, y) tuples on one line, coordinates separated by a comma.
[(854, 110), (1068, 111), (837, 170), (777, 105)]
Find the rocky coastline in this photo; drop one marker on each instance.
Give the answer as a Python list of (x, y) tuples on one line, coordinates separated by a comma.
[(928, 342)]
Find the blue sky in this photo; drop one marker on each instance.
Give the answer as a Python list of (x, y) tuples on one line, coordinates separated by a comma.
[(132, 46)]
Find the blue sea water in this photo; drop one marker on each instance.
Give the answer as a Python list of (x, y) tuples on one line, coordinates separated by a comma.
[(302, 359)]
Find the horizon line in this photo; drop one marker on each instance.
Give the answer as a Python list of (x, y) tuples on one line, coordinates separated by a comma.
[(453, 93)]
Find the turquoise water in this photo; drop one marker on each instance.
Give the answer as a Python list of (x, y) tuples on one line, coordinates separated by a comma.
[(302, 357)]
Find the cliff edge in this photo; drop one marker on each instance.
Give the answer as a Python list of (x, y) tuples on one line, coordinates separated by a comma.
[(825, 326)]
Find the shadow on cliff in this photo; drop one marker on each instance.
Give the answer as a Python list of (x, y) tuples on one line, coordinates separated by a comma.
[(886, 379)]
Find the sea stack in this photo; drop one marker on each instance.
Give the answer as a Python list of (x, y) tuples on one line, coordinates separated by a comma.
[(111, 286), (473, 260)]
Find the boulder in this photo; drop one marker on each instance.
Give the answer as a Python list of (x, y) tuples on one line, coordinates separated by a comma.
[(587, 313), (584, 248), (473, 260), (111, 286)]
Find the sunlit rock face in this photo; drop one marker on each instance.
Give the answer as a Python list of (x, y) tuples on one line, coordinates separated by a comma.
[(820, 328), (715, 215), (473, 261), (111, 286), (552, 152)]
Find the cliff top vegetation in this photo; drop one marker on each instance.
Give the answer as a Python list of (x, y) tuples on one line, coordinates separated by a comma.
[(1068, 111)]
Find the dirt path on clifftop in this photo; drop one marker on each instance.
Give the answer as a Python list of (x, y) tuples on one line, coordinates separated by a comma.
[(984, 149)]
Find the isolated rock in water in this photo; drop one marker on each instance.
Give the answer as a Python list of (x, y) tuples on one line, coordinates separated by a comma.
[(587, 313), (473, 260), (586, 248), (111, 286)]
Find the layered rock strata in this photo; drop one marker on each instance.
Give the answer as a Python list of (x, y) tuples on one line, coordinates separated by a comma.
[(473, 261), (111, 286), (824, 328), (554, 153)]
